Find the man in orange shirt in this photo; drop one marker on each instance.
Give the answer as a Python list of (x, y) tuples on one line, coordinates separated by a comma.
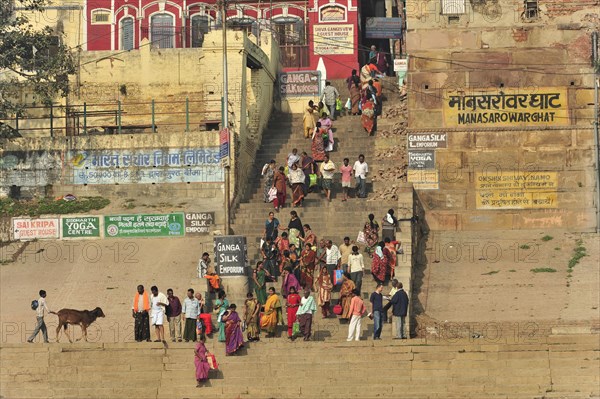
[(139, 311), (357, 309)]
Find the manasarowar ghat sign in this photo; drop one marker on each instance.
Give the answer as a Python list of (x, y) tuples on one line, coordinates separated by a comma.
[(506, 107)]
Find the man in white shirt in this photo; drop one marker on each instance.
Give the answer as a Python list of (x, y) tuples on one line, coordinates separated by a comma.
[(159, 303), (41, 310), (333, 257), (190, 311), (360, 173), (327, 170), (356, 267), (293, 157)]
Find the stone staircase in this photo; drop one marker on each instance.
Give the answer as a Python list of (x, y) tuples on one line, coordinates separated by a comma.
[(559, 366), (330, 220)]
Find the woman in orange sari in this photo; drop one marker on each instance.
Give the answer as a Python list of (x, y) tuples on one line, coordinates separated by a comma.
[(307, 267), (324, 287), (368, 115), (346, 295)]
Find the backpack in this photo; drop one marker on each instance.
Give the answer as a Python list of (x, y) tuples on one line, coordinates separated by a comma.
[(34, 304)]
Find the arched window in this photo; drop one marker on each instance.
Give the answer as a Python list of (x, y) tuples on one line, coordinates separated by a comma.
[(162, 31), (291, 35), (200, 27), (126, 29)]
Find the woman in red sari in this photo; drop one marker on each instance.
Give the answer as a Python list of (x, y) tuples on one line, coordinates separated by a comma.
[(293, 302), (368, 115), (234, 339), (380, 263), (307, 267), (201, 363)]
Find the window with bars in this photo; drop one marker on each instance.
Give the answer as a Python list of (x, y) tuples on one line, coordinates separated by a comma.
[(531, 9), (126, 33), (290, 32), (200, 27), (162, 31), (100, 17), (244, 24)]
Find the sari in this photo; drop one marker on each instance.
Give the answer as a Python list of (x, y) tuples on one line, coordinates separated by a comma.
[(310, 238), (324, 287), (289, 281), (371, 234), (354, 99), (345, 298), (308, 121), (251, 318), (317, 147), (268, 321), (261, 292), (326, 126), (268, 183), (379, 265), (295, 230), (391, 247), (293, 302), (307, 268), (234, 338), (224, 305), (368, 116), (201, 362)]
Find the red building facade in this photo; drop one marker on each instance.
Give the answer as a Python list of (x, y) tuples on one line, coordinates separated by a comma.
[(305, 30)]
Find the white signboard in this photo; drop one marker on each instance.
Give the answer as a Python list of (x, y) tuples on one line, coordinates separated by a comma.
[(30, 229), (400, 65), (333, 39)]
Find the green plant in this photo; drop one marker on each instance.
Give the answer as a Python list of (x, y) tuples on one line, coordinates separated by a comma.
[(543, 270), (557, 248), (11, 207), (547, 238), (524, 246), (512, 270)]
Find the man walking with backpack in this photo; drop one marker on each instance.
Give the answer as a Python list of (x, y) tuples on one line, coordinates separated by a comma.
[(41, 308)]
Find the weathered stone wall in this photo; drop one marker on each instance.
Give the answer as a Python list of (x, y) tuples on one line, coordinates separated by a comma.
[(494, 48)]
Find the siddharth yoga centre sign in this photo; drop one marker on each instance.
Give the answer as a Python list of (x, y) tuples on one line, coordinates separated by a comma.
[(506, 107)]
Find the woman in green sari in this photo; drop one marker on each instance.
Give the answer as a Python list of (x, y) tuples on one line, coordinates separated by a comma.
[(221, 306), (260, 283)]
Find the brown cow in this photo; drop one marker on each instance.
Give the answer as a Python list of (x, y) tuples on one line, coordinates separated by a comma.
[(81, 317)]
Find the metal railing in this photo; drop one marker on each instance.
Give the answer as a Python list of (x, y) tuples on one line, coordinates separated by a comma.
[(115, 118)]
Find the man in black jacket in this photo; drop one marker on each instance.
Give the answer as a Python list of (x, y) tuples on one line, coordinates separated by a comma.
[(399, 310)]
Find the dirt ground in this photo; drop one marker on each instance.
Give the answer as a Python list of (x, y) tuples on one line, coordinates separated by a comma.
[(483, 277)]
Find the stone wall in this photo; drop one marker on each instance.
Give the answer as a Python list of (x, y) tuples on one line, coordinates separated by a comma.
[(495, 49)]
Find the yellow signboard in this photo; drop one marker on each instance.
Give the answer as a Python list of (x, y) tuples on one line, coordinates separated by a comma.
[(423, 179), (333, 39), (516, 190), (506, 107)]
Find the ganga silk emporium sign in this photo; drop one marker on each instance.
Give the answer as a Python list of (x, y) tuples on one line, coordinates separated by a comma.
[(299, 83), (516, 190), (231, 255), (121, 226), (506, 107)]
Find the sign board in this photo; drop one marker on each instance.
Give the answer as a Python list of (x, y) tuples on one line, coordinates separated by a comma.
[(224, 145), (383, 28), (421, 159), (144, 166), (333, 39), (30, 229), (424, 179), (506, 107), (427, 140), (80, 226), (230, 253), (516, 190), (332, 13), (299, 83), (198, 223), (144, 225), (400, 64)]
